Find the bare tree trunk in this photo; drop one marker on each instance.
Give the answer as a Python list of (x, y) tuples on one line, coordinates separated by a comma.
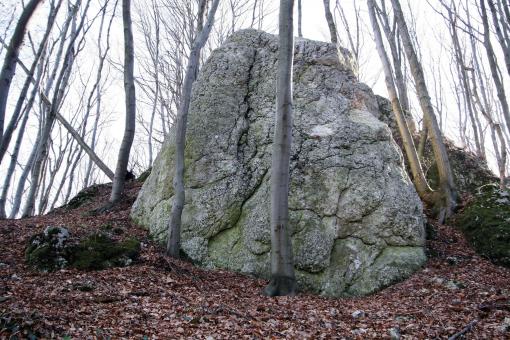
[(502, 29), (17, 145), (331, 22), (61, 85), (93, 156), (503, 156), (400, 80), (419, 180), (283, 280), (449, 195), (12, 166), (11, 58), (462, 73), (300, 19), (493, 65), (7, 135), (129, 87), (424, 135), (174, 226), (69, 165), (23, 178)]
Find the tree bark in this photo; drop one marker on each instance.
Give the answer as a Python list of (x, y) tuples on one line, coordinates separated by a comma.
[(11, 58), (93, 156), (58, 96), (5, 139), (501, 33), (498, 83), (331, 22), (462, 73), (300, 19), (174, 226), (447, 187), (419, 180), (283, 281), (129, 88)]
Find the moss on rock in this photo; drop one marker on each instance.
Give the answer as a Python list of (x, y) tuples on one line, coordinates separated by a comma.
[(47, 251), (51, 250), (99, 251), (84, 196), (486, 223), (144, 175)]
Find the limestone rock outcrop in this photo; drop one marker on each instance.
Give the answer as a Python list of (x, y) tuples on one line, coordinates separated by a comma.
[(355, 218)]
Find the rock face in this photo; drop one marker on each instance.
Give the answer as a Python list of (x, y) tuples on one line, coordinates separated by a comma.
[(355, 219)]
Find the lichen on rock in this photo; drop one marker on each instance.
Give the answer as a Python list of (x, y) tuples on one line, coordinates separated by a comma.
[(356, 221)]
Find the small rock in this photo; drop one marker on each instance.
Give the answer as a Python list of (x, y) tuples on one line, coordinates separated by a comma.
[(438, 280), (15, 277), (359, 331), (452, 260), (4, 298), (85, 286), (395, 333), (505, 326), (333, 312), (454, 285), (358, 314), (402, 318)]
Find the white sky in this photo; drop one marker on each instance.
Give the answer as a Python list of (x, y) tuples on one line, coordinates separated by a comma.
[(431, 32)]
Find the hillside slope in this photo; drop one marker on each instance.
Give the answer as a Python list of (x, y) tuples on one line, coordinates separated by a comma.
[(161, 298)]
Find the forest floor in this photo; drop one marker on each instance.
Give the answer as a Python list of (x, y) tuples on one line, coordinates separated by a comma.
[(156, 297)]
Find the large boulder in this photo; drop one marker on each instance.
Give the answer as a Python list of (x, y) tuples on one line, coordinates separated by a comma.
[(356, 221)]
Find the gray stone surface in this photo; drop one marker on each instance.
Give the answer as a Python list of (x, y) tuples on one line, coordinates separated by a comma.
[(355, 219)]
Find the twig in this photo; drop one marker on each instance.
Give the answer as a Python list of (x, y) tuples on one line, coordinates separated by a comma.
[(465, 330)]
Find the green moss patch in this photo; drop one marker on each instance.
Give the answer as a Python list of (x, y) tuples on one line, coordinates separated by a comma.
[(144, 175), (84, 196), (52, 250), (98, 251), (486, 223), (47, 251)]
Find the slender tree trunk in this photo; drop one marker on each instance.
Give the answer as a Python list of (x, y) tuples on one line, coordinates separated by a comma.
[(300, 19), (283, 281), (462, 72), (449, 194), (81, 142), (12, 166), (174, 226), (503, 156), (129, 88), (499, 27), (493, 65), (424, 135), (23, 179), (16, 150), (58, 96), (331, 22), (64, 179), (400, 80), (7, 135), (11, 58), (419, 180)]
